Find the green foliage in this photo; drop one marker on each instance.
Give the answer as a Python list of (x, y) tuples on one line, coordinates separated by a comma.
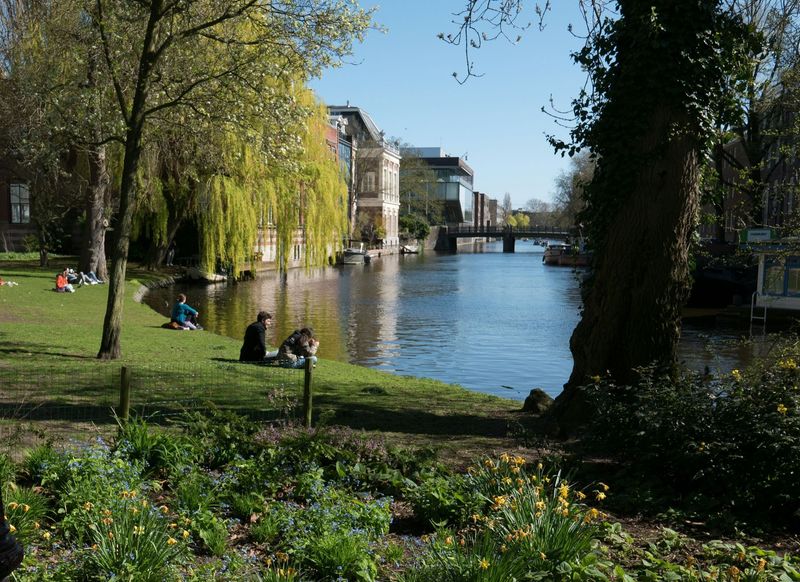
[(211, 530), (97, 478), (416, 226), (154, 451), (728, 443), (221, 436), (45, 466), (7, 470), (26, 511), (134, 542), (443, 498), (340, 556), (194, 492)]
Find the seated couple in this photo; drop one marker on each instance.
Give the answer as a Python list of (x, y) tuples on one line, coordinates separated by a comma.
[(80, 278), (293, 351)]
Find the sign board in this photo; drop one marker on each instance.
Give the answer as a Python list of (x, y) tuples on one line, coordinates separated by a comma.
[(759, 234)]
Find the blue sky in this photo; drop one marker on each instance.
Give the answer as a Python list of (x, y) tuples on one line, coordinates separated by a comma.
[(403, 79)]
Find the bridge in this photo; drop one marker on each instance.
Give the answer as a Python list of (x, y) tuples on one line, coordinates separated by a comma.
[(449, 235)]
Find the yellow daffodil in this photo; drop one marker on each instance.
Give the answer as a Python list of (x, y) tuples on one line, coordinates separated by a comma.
[(736, 375), (164, 509), (171, 541), (580, 495), (600, 496), (185, 534), (484, 564), (12, 529), (138, 530), (787, 364), (13, 505), (46, 535), (88, 506), (782, 409)]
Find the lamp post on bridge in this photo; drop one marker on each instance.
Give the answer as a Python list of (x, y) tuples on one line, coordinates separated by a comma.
[(11, 552)]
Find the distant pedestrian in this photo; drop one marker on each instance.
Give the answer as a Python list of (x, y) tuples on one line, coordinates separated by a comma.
[(254, 348), (170, 254)]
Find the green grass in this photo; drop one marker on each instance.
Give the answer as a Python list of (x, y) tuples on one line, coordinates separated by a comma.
[(49, 342)]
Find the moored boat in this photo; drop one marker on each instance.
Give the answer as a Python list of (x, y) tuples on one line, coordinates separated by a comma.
[(355, 255)]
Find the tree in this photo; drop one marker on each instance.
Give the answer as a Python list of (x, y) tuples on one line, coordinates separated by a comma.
[(752, 160), (521, 220), (569, 188), (418, 183), (541, 212), (662, 75), (180, 62), (506, 210), (65, 108)]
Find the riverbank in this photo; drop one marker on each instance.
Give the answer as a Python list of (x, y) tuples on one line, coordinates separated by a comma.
[(60, 333)]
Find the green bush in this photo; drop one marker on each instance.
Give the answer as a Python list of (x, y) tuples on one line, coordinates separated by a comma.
[(443, 499), (342, 556), (729, 442), (26, 511), (135, 542)]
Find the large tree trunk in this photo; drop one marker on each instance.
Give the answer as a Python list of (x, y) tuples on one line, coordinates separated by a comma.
[(632, 305), (93, 257), (112, 324)]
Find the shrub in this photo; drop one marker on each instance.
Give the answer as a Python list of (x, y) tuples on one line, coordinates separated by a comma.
[(134, 541), (342, 556), (26, 511), (7, 470), (728, 442), (443, 499), (45, 466)]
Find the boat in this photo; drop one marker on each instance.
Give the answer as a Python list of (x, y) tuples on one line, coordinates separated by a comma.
[(565, 255), (409, 250), (355, 255)]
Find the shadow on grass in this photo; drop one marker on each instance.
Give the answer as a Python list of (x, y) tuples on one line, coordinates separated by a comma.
[(412, 420), (39, 350), (154, 413)]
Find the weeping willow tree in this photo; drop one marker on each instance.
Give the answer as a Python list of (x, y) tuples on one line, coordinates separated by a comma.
[(229, 181), (310, 194)]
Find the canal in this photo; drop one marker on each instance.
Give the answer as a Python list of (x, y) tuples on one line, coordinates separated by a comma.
[(492, 322)]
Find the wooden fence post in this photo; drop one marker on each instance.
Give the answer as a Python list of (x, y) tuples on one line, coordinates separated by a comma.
[(307, 392), (124, 394)]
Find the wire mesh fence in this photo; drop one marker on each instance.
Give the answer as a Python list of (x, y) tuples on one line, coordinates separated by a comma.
[(52, 403)]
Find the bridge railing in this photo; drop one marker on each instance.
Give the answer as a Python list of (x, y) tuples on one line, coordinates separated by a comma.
[(500, 230)]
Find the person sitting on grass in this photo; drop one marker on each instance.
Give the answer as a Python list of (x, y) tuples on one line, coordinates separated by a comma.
[(184, 315), (254, 348), (297, 347), (62, 283)]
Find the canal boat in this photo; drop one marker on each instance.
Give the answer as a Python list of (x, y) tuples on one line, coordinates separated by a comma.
[(565, 255), (409, 250), (355, 255)]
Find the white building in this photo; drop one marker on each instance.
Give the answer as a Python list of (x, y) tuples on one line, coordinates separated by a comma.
[(377, 178)]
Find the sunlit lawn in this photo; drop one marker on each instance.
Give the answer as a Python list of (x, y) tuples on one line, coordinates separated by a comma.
[(49, 342)]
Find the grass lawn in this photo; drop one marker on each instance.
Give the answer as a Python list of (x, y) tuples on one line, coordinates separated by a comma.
[(51, 379)]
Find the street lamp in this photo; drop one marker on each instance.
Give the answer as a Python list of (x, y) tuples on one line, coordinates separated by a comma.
[(11, 552)]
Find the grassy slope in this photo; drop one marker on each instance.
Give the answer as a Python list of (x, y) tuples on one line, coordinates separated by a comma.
[(48, 343)]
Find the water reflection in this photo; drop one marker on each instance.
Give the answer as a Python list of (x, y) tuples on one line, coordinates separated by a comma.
[(493, 322)]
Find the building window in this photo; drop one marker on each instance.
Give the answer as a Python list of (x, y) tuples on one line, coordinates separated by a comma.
[(369, 182), (20, 204)]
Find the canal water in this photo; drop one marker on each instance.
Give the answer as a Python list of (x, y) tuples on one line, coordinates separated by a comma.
[(493, 322)]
